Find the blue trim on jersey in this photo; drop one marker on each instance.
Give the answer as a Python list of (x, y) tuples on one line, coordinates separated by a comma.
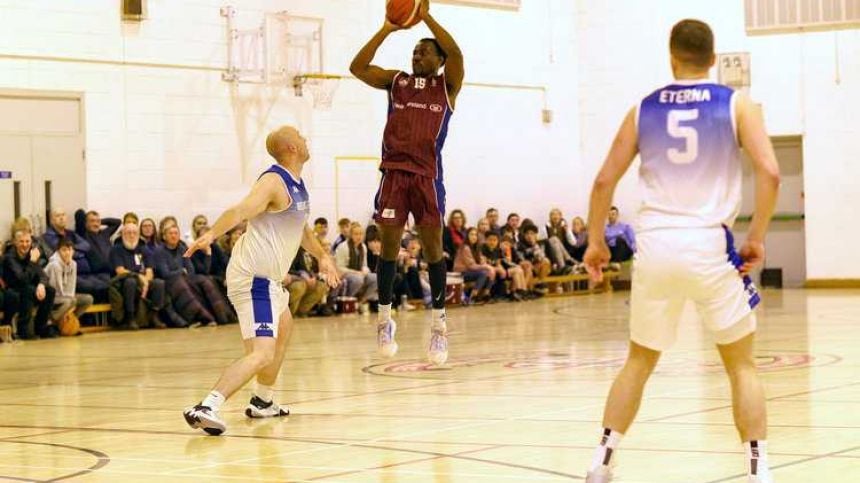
[(297, 191), (439, 186), (262, 307), (735, 259), (440, 142)]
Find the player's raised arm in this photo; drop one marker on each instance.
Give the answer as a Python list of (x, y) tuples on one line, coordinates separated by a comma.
[(261, 196), (755, 141), (361, 67), (454, 68), (327, 266), (621, 155)]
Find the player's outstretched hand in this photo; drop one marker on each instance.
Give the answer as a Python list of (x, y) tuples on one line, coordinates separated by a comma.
[(329, 269), (752, 253), (203, 242), (596, 257)]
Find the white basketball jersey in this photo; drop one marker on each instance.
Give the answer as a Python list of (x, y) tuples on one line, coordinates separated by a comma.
[(271, 241), (691, 163)]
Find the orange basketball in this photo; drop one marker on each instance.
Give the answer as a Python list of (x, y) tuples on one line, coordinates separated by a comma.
[(402, 12)]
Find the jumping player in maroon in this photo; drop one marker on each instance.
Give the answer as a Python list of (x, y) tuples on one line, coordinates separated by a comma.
[(419, 108)]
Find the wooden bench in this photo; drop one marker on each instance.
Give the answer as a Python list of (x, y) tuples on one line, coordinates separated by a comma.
[(578, 284), (101, 313)]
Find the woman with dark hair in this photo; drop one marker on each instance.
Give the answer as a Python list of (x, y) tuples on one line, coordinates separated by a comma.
[(149, 236), (470, 262), (453, 236), (197, 223)]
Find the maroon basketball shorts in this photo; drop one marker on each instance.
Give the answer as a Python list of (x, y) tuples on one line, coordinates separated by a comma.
[(401, 193)]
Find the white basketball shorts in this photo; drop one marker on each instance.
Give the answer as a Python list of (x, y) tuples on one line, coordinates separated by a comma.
[(259, 303), (700, 265)]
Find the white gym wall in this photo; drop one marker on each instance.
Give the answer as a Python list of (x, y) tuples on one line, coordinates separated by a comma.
[(173, 138), (177, 139), (809, 85)]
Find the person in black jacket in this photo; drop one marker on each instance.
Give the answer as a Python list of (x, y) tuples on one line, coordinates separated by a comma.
[(8, 304), (136, 283), (26, 278), (98, 231)]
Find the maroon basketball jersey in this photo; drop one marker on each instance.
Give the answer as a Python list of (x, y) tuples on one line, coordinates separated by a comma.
[(418, 115)]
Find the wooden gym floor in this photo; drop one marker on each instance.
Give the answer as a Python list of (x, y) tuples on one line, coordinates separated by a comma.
[(520, 401)]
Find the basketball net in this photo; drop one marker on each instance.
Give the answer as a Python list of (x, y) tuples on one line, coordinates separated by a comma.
[(321, 86)]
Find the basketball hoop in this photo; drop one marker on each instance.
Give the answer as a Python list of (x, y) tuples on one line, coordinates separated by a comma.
[(322, 87)]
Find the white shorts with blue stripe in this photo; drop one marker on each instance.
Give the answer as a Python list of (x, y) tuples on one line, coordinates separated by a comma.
[(676, 265), (259, 303)]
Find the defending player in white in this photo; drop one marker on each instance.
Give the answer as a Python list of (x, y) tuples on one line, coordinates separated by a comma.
[(689, 135), (277, 211)]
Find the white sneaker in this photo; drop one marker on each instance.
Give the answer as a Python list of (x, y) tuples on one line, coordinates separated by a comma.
[(203, 417), (257, 409), (601, 475), (385, 342), (438, 352)]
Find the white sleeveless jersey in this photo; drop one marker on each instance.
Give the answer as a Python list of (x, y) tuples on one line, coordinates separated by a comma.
[(691, 162), (268, 246)]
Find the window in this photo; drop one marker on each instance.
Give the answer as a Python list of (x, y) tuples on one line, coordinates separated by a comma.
[(782, 16)]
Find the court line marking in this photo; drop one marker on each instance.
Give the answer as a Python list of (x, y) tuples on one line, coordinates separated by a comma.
[(790, 463), (461, 427)]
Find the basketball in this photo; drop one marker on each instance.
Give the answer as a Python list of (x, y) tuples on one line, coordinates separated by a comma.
[(403, 13)]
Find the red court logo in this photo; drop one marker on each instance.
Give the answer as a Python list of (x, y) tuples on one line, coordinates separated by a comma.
[(706, 362)]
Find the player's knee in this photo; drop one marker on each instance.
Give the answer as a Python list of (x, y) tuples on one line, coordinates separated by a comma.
[(262, 357)]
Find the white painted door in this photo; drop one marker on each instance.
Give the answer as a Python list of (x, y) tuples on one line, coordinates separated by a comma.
[(42, 145)]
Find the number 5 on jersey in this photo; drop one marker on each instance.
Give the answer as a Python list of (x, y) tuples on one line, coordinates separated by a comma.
[(687, 133)]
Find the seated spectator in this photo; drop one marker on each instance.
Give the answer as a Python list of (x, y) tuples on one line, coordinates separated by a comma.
[(143, 298), (620, 238), (169, 220), (148, 236), (416, 281), (62, 274), (512, 227), (483, 227), (212, 261), (351, 260), (127, 218), (130, 217), (98, 233), (453, 236), (321, 231), (531, 251), (28, 280), (38, 242), (511, 257), (9, 305), (172, 266), (87, 281), (470, 262), (371, 234), (312, 291), (580, 239), (506, 269), (492, 216), (344, 226), (197, 223), (558, 236), (229, 239)]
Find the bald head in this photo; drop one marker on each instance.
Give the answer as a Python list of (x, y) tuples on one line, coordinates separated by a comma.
[(285, 143)]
